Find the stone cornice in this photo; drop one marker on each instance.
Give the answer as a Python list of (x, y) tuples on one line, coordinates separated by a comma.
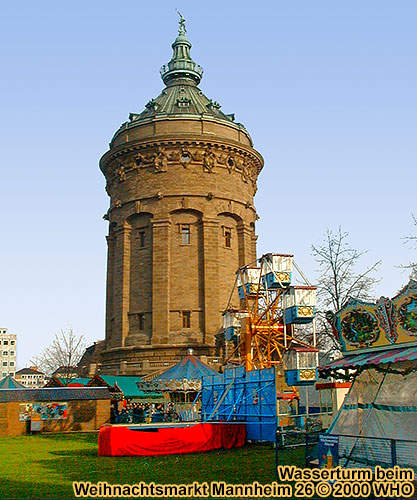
[(147, 347), (124, 151)]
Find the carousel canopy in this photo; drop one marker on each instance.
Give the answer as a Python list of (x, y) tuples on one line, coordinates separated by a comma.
[(190, 368)]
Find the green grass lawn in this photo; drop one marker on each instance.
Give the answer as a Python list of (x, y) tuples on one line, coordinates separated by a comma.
[(44, 466)]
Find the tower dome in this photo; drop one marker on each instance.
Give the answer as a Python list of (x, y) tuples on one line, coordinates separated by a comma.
[(181, 176)]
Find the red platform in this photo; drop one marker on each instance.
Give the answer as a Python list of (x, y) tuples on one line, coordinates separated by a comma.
[(117, 440)]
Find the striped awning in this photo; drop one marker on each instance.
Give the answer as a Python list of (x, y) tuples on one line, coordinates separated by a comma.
[(371, 358)]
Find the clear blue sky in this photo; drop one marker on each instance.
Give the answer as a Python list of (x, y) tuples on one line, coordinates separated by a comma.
[(327, 90)]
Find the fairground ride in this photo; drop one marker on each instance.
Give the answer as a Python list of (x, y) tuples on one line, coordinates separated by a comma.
[(265, 330)]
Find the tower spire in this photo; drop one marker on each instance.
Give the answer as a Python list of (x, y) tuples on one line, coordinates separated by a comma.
[(181, 64)]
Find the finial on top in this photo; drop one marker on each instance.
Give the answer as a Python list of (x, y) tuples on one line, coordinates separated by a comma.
[(181, 64), (182, 29)]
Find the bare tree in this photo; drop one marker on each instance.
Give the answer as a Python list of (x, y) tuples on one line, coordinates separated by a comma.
[(339, 280), (412, 240), (64, 353)]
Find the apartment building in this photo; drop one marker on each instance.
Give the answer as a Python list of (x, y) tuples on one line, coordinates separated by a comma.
[(30, 377), (7, 353)]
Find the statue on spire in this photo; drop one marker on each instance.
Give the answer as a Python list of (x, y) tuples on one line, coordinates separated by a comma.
[(182, 29)]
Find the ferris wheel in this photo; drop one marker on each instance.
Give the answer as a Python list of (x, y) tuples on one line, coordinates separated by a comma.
[(264, 328)]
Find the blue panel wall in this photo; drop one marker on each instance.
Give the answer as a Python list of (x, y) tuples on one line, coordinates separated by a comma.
[(250, 399)]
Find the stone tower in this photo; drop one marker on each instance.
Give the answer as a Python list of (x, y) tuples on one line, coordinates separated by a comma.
[(181, 177)]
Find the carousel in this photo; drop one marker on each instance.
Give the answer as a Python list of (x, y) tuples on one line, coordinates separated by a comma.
[(181, 387), (376, 424)]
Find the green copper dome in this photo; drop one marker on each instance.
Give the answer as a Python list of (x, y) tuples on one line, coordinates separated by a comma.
[(181, 97)]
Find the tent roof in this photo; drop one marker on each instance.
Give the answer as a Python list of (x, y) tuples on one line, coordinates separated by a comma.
[(127, 384), (370, 359), (10, 383), (190, 368), (70, 382)]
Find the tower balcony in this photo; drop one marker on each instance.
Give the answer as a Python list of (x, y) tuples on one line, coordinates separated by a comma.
[(178, 68)]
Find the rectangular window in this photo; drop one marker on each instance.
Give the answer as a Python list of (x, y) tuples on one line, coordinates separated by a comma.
[(4, 363), (4, 374), (11, 353), (12, 342), (5, 353), (11, 363), (227, 237), (6, 342), (185, 234), (142, 238), (186, 319), (141, 321)]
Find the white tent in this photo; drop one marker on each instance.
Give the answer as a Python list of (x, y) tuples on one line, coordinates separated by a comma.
[(377, 423)]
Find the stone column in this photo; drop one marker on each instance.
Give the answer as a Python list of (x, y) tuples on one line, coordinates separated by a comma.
[(254, 240), (121, 281), (245, 238), (161, 245), (109, 286), (210, 229)]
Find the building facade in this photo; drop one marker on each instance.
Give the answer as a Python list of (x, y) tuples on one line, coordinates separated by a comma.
[(7, 353), (30, 377), (62, 409), (181, 177)]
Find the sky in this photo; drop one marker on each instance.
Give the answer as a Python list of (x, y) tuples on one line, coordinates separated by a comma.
[(326, 89)]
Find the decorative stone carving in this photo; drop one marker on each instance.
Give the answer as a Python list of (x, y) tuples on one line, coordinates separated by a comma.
[(253, 174), (222, 159), (148, 158), (118, 204), (121, 173), (197, 155), (152, 105), (137, 162), (213, 104), (230, 163), (245, 170), (184, 203), (173, 155), (183, 102), (209, 160), (185, 156), (160, 160)]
